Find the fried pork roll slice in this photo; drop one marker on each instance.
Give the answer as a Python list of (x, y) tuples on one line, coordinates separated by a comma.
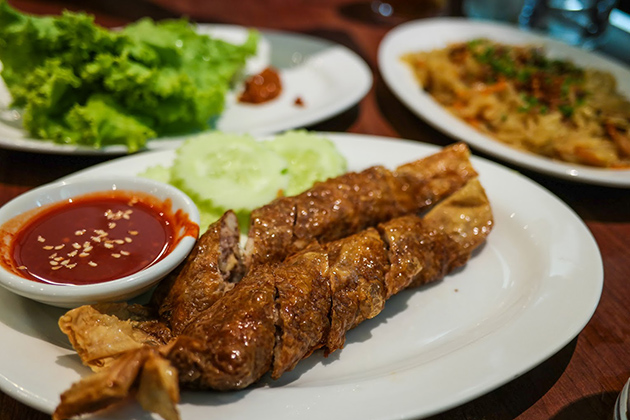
[(230, 345), (271, 232), (466, 218), (304, 302), (210, 270), (422, 250), (417, 253), (342, 206), (357, 267)]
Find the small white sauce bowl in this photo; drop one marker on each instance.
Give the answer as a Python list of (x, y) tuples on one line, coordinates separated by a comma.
[(69, 296)]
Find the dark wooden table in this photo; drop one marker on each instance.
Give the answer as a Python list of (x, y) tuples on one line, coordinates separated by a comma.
[(581, 381)]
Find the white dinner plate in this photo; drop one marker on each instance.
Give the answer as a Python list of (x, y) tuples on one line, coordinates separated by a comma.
[(429, 34), (328, 78), (523, 296)]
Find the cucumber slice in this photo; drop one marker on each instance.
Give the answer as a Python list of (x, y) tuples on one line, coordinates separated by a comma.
[(310, 157), (229, 171), (157, 173)]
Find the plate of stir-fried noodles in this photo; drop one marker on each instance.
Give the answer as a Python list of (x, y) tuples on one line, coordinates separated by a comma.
[(518, 96)]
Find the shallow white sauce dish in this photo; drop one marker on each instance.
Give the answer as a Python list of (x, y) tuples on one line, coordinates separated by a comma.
[(124, 288)]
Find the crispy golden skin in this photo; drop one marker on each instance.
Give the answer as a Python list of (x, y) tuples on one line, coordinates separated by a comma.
[(270, 232), (466, 217)]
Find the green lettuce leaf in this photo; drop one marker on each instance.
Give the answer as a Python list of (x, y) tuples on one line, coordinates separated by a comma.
[(79, 83)]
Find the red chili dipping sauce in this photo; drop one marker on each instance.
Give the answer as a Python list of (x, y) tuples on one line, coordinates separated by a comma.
[(95, 238)]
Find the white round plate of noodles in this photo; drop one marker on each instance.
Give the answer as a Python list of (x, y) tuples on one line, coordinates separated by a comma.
[(430, 34)]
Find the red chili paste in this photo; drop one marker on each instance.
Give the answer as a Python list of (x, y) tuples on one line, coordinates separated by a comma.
[(262, 87)]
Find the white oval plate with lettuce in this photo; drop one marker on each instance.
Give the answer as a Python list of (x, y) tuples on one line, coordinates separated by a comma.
[(327, 78)]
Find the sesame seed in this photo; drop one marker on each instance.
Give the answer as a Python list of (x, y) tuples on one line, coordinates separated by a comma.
[(22, 267), (73, 253), (96, 238), (53, 255), (41, 239), (71, 265), (119, 241), (58, 247), (92, 263), (54, 262), (58, 259), (76, 246), (86, 244), (108, 245), (65, 262), (79, 232), (133, 232), (111, 225), (88, 249), (56, 267), (84, 254), (116, 255), (123, 252), (48, 247), (128, 239)]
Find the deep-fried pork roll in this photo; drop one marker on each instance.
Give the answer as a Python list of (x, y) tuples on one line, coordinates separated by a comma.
[(233, 344), (271, 231), (341, 206), (281, 312)]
